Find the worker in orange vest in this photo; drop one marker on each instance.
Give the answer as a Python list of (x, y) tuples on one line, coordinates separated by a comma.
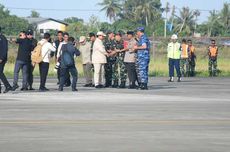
[(191, 59), (212, 53), (184, 65)]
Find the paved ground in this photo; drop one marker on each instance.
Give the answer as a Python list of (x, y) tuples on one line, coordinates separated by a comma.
[(192, 116)]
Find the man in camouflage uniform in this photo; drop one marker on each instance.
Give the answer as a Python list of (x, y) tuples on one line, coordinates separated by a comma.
[(184, 63), (143, 58), (191, 59), (119, 69), (110, 47), (212, 53)]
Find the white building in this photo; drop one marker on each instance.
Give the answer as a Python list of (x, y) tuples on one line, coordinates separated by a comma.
[(44, 25)]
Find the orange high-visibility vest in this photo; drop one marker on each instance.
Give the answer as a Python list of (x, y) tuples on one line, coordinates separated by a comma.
[(184, 53), (191, 50), (213, 51)]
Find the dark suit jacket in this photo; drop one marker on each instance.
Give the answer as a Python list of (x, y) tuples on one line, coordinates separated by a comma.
[(3, 48)]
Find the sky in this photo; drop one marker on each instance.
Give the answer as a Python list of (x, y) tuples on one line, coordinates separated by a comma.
[(86, 8)]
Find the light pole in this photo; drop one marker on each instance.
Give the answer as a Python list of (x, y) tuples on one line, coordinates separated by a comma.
[(166, 18)]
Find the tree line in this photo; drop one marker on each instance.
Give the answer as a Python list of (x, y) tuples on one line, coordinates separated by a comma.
[(128, 14)]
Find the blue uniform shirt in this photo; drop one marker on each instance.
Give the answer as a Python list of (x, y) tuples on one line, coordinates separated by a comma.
[(144, 40)]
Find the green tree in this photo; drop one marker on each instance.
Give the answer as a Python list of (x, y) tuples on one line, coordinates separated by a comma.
[(11, 24), (105, 26), (112, 8), (94, 24), (34, 14), (77, 29), (213, 22), (225, 17), (73, 20), (185, 21), (144, 12), (148, 10)]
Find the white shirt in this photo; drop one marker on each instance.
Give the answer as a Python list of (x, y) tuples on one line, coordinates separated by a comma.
[(99, 52), (47, 48), (59, 48)]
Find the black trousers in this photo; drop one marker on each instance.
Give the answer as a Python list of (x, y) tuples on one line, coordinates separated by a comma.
[(67, 80), (43, 69), (131, 70), (2, 75), (108, 73), (70, 70), (30, 74)]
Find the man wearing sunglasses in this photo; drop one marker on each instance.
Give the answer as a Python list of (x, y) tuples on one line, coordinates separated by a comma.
[(212, 53), (22, 61)]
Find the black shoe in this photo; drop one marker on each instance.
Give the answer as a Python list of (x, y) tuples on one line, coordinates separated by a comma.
[(107, 85), (122, 85), (60, 89), (171, 79), (101, 86), (8, 89), (46, 89), (43, 89), (88, 85), (97, 87), (179, 79), (133, 86), (15, 87), (74, 90), (24, 89), (115, 84), (31, 89), (144, 86)]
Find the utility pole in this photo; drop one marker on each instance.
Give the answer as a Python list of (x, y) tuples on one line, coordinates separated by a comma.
[(166, 18)]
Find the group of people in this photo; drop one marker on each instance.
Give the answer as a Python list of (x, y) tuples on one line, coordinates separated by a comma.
[(182, 57), (64, 49), (113, 59), (107, 59), (110, 59)]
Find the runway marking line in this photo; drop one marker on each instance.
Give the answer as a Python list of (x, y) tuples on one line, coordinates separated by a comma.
[(172, 122)]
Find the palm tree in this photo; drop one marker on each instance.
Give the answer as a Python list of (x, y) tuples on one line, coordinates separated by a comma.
[(112, 8), (225, 17), (185, 22), (213, 20), (148, 10)]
